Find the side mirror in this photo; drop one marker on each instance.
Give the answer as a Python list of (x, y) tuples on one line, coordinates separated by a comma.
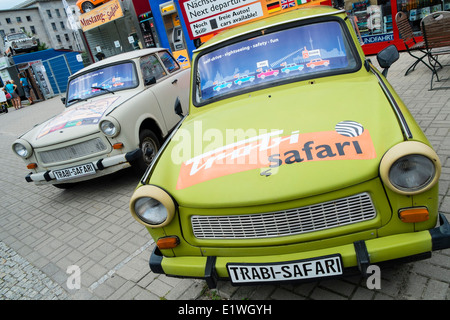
[(63, 100), (178, 109), (150, 81), (387, 57)]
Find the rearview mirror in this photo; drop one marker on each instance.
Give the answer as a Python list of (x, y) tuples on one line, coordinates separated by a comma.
[(150, 81), (387, 57)]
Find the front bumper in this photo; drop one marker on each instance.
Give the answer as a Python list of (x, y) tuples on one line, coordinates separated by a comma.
[(99, 165), (404, 247)]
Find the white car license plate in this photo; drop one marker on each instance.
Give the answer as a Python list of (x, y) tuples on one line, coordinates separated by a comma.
[(74, 172), (285, 271)]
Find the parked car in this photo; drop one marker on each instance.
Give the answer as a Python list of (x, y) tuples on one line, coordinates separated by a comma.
[(19, 42), (119, 110), (318, 62), (300, 176), (222, 85), (243, 79), (88, 5), (292, 67), (267, 73)]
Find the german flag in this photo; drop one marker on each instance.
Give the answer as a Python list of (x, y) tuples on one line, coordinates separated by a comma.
[(273, 7)]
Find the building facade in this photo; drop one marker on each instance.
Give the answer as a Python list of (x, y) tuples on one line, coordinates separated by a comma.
[(46, 20)]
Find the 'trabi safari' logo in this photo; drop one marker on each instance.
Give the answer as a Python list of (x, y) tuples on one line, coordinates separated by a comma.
[(349, 141)]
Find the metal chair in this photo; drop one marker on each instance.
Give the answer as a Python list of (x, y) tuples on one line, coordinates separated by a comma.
[(406, 33)]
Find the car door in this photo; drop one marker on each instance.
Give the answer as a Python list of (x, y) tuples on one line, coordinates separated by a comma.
[(170, 87)]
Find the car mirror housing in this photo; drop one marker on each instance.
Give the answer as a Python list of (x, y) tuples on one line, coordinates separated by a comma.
[(387, 57)]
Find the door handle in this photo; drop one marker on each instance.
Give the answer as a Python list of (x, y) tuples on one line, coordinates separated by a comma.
[(174, 81)]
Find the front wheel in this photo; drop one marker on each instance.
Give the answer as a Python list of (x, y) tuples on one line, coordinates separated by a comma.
[(149, 144), (87, 6)]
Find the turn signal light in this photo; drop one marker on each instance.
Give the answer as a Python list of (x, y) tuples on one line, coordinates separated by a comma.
[(414, 215), (118, 145), (32, 166), (168, 242)]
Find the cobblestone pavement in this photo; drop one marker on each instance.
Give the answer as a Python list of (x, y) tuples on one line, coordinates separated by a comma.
[(44, 230)]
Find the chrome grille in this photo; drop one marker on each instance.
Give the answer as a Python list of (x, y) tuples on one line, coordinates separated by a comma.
[(73, 152), (311, 218)]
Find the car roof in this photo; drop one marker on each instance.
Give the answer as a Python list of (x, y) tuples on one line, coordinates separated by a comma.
[(119, 57), (293, 15)]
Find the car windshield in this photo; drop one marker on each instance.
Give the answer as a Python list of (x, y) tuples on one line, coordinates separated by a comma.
[(100, 81), (298, 53), (17, 36)]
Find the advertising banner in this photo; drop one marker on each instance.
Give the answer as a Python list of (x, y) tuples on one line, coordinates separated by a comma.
[(106, 13), (204, 17)]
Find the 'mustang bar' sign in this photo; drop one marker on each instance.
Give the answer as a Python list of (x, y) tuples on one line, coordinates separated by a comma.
[(101, 15)]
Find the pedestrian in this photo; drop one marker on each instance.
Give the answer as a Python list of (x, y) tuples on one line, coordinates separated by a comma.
[(11, 89), (26, 88)]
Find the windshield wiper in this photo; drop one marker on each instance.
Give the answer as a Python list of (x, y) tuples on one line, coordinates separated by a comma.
[(76, 99), (104, 89)]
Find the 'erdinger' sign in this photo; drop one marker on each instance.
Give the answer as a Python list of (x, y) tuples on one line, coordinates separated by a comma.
[(103, 14)]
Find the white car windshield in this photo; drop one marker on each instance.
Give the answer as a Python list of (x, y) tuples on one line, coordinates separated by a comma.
[(106, 80), (297, 53), (17, 36)]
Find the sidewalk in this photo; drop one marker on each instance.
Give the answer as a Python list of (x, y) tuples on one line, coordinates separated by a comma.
[(44, 230)]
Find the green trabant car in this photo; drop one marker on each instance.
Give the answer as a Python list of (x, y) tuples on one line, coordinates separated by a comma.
[(292, 176)]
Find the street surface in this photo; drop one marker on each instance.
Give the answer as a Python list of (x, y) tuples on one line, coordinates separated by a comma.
[(44, 231)]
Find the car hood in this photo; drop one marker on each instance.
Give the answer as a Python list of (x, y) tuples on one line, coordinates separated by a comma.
[(279, 144), (76, 121)]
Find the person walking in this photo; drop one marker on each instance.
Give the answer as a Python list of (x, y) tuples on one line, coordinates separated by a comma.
[(10, 88), (26, 88)]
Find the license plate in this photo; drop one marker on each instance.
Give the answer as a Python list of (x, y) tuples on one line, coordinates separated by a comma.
[(326, 266), (74, 172)]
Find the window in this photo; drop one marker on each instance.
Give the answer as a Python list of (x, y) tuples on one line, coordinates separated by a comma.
[(66, 36), (18, 19), (12, 30), (151, 67), (274, 58), (8, 20), (58, 37), (54, 26), (28, 18), (49, 13), (22, 29), (61, 23), (168, 61), (57, 13), (33, 29)]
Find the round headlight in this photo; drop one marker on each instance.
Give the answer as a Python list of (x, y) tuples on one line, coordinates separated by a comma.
[(22, 148), (110, 127), (150, 211), (152, 206), (410, 167), (412, 172)]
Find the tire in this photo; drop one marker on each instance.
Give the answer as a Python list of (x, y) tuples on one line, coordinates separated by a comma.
[(87, 6), (147, 139)]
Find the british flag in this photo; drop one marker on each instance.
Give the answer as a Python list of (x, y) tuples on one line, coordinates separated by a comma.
[(287, 4)]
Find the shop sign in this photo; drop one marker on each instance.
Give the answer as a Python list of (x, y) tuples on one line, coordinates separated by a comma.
[(378, 38), (101, 15), (182, 58), (209, 16)]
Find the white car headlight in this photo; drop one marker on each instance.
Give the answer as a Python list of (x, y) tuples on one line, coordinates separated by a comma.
[(22, 148), (152, 206), (410, 167), (110, 126)]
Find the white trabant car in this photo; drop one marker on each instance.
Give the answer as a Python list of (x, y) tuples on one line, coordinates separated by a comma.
[(118, 113)]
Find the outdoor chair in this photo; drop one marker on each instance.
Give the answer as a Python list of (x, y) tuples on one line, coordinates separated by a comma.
[(406, 33), (436, 35)]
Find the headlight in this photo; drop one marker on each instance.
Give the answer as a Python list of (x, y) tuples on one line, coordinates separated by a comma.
[(152, 206), (22, 148), (110, 126), (410, 167)]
